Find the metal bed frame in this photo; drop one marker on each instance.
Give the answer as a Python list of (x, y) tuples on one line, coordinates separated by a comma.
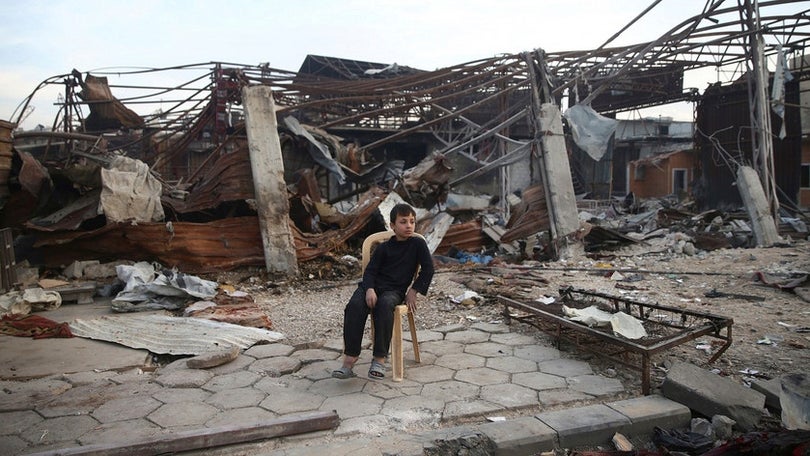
[(666, 327)]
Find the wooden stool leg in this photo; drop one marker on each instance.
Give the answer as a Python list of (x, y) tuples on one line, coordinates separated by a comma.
[(397, 361), (412, 326)]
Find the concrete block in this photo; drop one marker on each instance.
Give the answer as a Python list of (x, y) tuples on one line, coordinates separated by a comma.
[(102, 271), (526, 435), (647, 412), (76, 269), (589, 425), (771, 389), (710, 394)]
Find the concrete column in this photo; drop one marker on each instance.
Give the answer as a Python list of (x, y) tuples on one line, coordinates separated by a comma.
[(756, 204), (557, 181), (269, 187)]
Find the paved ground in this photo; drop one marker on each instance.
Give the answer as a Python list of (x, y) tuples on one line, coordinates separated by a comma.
[(465, 377)]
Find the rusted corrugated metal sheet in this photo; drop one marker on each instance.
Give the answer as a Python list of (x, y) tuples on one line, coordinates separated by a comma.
[(466, 236), (196, 247), (106, 111), (191, 247), (529, 217), (228, 179)]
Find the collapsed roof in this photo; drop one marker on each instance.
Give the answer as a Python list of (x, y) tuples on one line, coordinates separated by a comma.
[(347, 118)]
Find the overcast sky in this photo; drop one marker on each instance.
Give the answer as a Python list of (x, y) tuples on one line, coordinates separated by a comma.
[(52, 37)]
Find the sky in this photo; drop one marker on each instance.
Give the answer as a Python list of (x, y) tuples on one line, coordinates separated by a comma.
[(44, 38)]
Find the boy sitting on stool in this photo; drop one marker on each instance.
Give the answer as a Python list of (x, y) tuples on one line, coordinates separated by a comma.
[(385, 285)]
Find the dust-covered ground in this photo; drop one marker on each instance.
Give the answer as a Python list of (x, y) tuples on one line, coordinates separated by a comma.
[(770, 325)]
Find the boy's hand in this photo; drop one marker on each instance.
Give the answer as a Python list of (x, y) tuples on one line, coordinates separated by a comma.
[(410, 300), (371, 298)]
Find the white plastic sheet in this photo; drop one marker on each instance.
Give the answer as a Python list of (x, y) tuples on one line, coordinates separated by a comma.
[(590, 130)]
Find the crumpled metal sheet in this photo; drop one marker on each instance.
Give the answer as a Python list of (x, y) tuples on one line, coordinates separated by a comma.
[(165, 334), (319, 152)]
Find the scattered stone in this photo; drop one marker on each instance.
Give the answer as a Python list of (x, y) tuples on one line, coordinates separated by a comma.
[(702, 426), (76, 269), (473, 444), (722, 426), (102, 271), (213, 358)]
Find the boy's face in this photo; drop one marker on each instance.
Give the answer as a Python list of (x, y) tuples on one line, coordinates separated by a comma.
[(404, 226)]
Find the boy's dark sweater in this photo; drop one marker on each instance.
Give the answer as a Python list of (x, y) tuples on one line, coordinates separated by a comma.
[(393, 264)]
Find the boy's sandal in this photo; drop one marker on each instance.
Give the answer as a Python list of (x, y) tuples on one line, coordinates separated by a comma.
[(377, 370), (343, 373)]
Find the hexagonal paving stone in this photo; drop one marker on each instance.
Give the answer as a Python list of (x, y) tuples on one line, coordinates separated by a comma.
[(88, 378), (125, 408), (464, 409), (492, 328), (509, 395), (512, 364), (429, 374), (539, 381), (595, 385), (338, 387), (564, 367), (170, 395), (230, 381), (489, 349), (482, 376), (455, 327), (184, 378), (561, 396), (537, 353), (424, 335), (277, 385), (413, 409), (315, 354), (182, 414), (269, 350), (122, 431), (15, 422), (469, 336), (25, 395), (513, 339), (318, 370), (61, 429), (241, 416), (460, 361), (440, 348), (277, 366), (387, 390), (84, 399), (292, 401), (451, 390), (353, 405), (236, 398)]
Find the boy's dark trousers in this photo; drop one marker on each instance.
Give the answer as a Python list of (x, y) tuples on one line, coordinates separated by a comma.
[(356, 314)]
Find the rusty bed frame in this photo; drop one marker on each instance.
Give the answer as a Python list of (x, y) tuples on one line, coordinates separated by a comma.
[(666, 326)]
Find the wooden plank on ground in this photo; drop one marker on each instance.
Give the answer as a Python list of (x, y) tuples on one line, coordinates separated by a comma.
[(210, 437)]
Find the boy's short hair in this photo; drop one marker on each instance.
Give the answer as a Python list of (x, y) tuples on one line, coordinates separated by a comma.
[(401, 209)]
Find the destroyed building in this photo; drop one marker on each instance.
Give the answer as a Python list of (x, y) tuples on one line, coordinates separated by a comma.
[(470, 144)]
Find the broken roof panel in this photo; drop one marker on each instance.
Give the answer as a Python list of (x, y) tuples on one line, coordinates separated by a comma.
[(347, 69), (171, 335)]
